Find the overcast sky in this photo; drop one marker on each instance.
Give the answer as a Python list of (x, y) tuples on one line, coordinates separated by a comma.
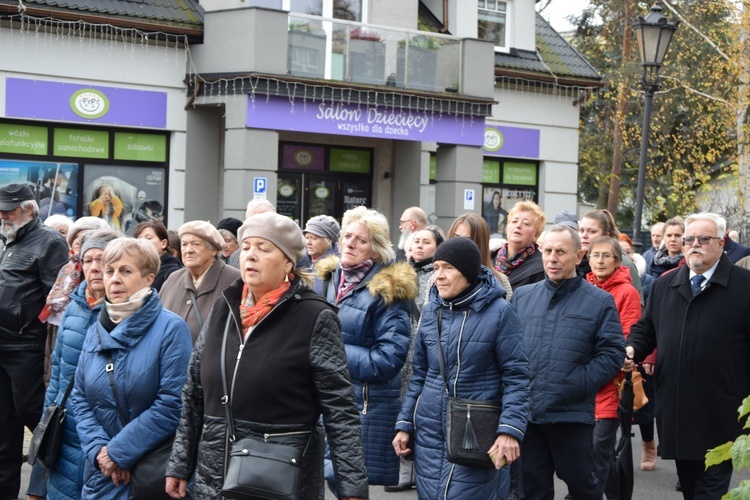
[(558, 10)]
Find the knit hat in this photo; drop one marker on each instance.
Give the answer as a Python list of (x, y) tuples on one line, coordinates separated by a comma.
[(98, 239), (279, 230), (204, 230), (567, 219), (85, 224), (13, 194), (230, 224), (463, 254), (323, 226)]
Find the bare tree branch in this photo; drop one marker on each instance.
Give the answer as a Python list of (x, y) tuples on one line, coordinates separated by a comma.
[(697, 31)]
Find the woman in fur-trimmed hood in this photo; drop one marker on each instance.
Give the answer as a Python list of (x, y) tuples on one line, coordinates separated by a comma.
[(374, 296)]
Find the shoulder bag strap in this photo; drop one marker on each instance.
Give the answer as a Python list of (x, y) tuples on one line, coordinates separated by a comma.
[(110, 368), (194, 301), (225, 397), (69, 389), (440, 348)]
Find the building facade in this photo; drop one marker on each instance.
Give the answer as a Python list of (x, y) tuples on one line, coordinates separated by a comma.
[(183, 111)]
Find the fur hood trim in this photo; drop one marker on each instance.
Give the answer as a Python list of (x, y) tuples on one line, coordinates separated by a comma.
[(393, 282)]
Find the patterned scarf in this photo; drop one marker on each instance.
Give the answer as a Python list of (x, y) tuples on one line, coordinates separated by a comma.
[(662, 258), (68, 279), (91, 300), (252, 313), (506, 265), (351, 277)]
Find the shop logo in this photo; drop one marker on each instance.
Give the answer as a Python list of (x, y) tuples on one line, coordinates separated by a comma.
[(89, 103), (303, 158), (322, 192), (493, 139), (286, 190)]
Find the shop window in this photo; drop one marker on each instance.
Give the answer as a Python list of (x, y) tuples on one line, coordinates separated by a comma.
[(348, 10), (492, 17), (505, 183)]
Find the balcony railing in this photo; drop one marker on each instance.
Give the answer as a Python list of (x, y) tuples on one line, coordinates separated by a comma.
[(348, 51)]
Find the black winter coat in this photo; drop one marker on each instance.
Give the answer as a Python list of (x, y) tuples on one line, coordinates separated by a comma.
[(28, 269), (292, 389), (169, 264), (703, 369)]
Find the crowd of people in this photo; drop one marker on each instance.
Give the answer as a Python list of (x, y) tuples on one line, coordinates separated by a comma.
[(335, 342)]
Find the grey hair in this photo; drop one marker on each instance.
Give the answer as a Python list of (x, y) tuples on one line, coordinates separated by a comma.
[(26, 204), (226, 233), (55, 220), (574, 236), (721, 222)]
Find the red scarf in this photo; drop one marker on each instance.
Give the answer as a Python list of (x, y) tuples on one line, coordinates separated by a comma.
[(253, 313)]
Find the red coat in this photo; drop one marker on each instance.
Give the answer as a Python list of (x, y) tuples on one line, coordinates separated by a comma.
[(628, 303)]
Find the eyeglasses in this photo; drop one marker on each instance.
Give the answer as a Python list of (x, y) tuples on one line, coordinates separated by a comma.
[(703, 240), (402, 222), (603, 256)]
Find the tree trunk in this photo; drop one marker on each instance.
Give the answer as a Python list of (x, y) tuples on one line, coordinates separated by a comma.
[(622, 103)]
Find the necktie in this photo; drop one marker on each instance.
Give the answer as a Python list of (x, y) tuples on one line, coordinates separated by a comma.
[(696, 282)]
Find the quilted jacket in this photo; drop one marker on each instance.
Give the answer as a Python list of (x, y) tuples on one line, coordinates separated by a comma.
[(575, 345), (376, 327), (300, 318), (150, 351), (485, 358), (65, 478)]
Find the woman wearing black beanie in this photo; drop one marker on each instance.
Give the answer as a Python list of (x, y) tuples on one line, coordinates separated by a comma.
[(485, 359)]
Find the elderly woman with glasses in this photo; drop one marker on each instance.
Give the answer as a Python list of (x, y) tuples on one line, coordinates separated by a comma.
[(193, 290), (609, 274), (130, 373)]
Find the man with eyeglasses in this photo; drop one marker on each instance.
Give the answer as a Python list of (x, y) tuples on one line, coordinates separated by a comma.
[(412, 220), (33, 255), (698, 317)]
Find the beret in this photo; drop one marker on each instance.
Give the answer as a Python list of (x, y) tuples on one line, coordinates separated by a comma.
[(279, 230), (204, 230)]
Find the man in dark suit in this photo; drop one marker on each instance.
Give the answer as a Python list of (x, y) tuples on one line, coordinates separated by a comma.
[(698, 317)]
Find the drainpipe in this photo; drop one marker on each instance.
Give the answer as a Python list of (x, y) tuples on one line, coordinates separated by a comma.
[(444, 29)]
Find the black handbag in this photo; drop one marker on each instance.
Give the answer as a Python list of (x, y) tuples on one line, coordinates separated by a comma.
[(470, 424), (45, 442), (148, 475), (258, 470)]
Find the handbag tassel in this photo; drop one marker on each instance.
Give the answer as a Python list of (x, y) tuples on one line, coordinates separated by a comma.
[(470, 437)]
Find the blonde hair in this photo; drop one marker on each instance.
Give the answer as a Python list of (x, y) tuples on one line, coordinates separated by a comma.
[(142, 250), (533, 208), (377, 224)]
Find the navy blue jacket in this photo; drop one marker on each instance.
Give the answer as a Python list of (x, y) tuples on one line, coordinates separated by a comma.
[(485, 359), (150, 352), (376, 327), (575, 345), (65, 478)]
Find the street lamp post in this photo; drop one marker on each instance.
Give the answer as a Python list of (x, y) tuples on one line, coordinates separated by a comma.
[(653, 33)]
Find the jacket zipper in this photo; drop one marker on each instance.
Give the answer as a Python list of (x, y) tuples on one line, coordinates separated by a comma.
[(278, 434), (458, 353), (365, 397), (414, 417)]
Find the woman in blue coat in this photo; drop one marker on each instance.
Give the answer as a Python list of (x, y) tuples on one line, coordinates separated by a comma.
[(374, 297), (65, 477), (485, 359), (143, 350)]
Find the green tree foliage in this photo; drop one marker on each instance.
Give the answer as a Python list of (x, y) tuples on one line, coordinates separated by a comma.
[(738, 452), (693, 122)]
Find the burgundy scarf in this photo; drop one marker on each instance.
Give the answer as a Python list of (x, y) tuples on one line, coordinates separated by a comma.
[(506, 265), (352, 276)]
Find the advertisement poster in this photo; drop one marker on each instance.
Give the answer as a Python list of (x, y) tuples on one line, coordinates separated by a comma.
[(124, 196), (55, 185), (493, 211)]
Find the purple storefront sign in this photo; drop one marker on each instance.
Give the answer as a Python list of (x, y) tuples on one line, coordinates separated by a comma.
[(382, 122), (511, 142), (58, 101)]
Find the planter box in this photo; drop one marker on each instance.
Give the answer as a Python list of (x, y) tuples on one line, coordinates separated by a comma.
[(422, 70), (307, 54), (367, 61)]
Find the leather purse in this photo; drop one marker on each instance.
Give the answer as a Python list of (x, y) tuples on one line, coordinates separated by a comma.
[(639, 394), (45, 442), (258, 469), (148, 475), (470, 424)]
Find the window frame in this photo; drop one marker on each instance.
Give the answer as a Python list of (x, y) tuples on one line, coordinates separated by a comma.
[(508, 6)]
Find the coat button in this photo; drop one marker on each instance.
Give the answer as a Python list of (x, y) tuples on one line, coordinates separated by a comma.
[(188, 302)]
